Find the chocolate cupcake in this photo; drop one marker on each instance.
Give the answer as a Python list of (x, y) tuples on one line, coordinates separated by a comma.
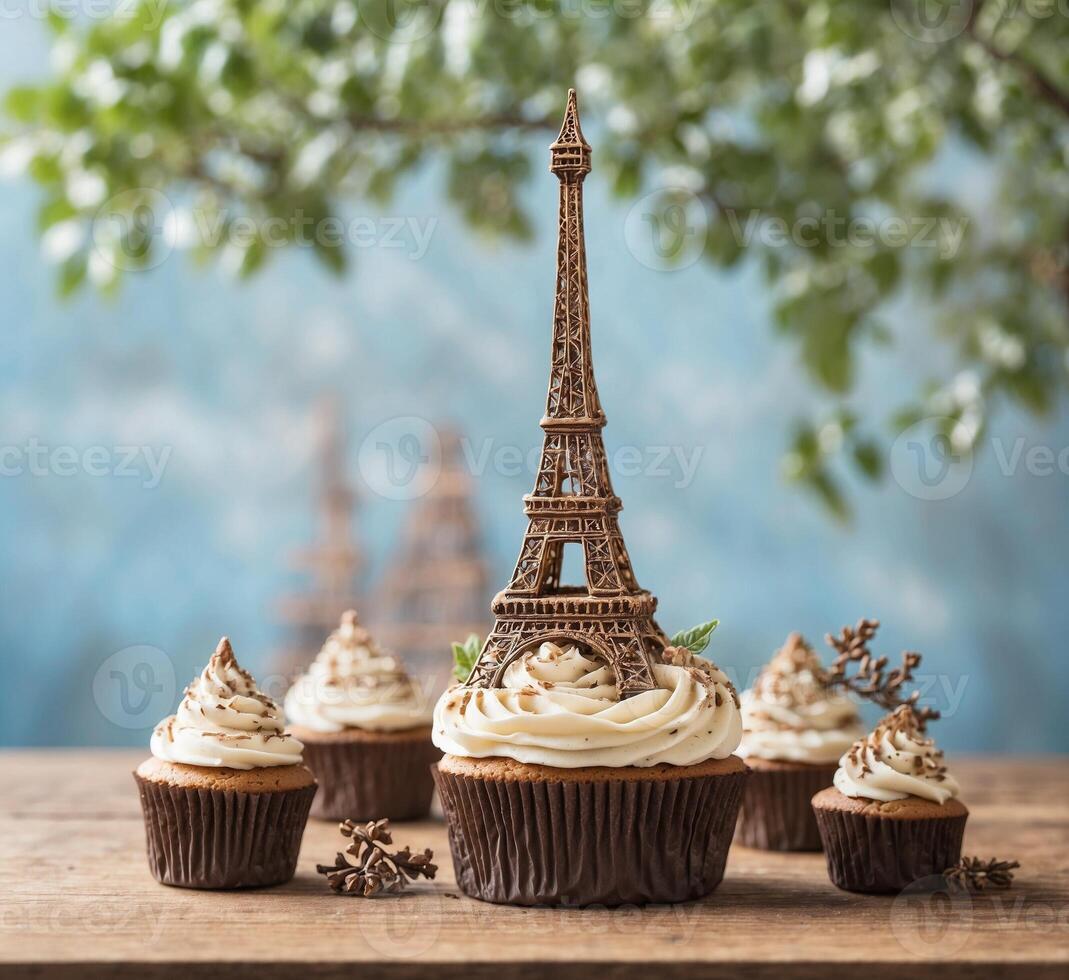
[(366, 729), (557, 791), (892, 816), (224, 796), (794, 731)]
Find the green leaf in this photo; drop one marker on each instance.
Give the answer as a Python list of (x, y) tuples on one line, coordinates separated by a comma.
[(254, 257), (332, 256), (54, 211), (829, 493), (885, 270), (464, 657), (857, 147), (869, 459), (72, 274), (628, 177), (697, 638), (22, 102)]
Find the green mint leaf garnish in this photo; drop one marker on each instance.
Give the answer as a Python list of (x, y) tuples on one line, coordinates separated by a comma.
[(464, 656), (697, 638)]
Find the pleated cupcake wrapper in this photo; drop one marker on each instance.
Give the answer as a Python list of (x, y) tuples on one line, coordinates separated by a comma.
[(372, 780), (880, 854), (202, 838), (777, 813), (575, 843)]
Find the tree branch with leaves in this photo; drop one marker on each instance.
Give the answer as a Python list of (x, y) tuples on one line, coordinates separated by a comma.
[(810, 118)]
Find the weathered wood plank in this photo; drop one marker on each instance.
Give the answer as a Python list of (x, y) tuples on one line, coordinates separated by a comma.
[(76, 900)]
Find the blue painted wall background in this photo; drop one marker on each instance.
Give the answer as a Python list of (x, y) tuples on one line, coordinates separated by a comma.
[(227, 375)]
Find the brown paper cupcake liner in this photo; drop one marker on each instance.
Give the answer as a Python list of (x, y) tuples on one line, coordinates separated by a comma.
[(880, 854), (576, 843), (203, 838), (777, 812), (371, 780)]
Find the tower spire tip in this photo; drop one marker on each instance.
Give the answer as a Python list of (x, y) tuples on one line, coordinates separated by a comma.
[(570, 151)]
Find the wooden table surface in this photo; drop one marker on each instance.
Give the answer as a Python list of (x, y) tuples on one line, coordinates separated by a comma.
[(77, 900)]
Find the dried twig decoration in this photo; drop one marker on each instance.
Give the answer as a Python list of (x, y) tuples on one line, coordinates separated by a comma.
[(972, 874), (366, 868), (870, 678)]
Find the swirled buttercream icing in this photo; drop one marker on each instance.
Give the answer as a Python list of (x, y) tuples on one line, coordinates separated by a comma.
[(560, 707), (894, 761), (789, 714), (352, 683), (225, 721)]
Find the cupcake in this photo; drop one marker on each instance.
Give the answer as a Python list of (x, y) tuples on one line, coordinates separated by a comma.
[(794, 731), (366, 729), (557, 791), (892, 816), (224, 796)]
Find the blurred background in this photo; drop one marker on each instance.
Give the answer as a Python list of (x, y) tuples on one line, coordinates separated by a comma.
[(277, 285)]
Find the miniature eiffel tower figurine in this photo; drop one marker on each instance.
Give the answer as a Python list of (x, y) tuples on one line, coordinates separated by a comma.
[(573, 500)]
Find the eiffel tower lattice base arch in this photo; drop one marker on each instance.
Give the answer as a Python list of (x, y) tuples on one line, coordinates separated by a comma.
[(620, 630)]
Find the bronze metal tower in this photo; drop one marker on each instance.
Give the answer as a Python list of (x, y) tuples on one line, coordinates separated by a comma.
[(573, 500)]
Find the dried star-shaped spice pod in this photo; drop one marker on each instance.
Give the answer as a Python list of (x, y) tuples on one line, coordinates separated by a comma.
[(870, 678), (973, 874), (366, 868)]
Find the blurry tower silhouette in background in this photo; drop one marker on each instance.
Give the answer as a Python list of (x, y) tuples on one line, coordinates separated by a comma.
[(434, 589), (334, 563)]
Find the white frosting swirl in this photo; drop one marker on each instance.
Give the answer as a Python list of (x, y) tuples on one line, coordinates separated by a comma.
[(895, 761), (560, 708), (353, 684), (225, 721), (789, 715)]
